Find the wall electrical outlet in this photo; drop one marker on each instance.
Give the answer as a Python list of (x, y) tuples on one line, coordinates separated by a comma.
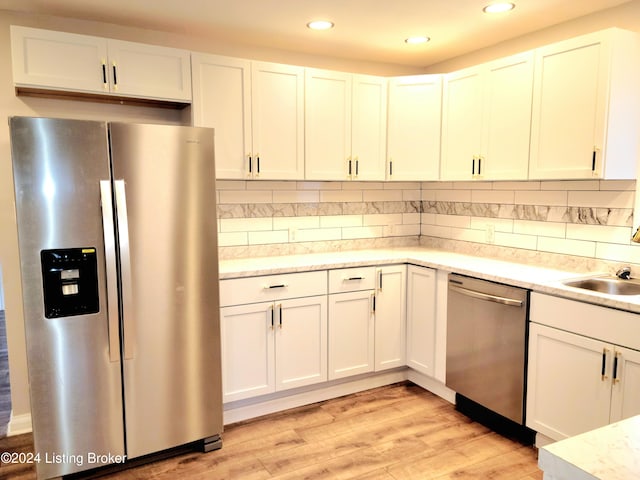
[(293, 233), (490, 233)]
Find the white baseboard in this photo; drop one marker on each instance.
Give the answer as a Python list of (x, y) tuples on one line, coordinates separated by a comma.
[(251, 408), (542, 440), (434, 386), (19, 424), (255, 407)]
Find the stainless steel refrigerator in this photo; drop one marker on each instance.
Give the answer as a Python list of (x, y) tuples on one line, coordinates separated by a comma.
[(117, 235)]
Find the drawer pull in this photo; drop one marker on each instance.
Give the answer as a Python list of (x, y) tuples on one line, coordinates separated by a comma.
[(272, 315), (350, 279), (615, 367), (282, 285), (603, 377)]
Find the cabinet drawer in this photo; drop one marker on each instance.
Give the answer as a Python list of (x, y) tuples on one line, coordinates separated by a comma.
[(606, 324), (240, 291), (352, 279)]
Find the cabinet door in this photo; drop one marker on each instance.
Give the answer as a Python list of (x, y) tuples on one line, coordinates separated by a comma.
[(625, 397), (222, 100), (327, 124), (148, 71), (277, 94), (57, 60), (421, 319), (413, 129), (351, 334), (368, 127), (507, 118), (567, 393), (301, 342), (569, 106), (462, 124), (390, 317), (248, 354)]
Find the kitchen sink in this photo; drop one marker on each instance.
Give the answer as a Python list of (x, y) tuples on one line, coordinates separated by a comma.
[(609, 284)]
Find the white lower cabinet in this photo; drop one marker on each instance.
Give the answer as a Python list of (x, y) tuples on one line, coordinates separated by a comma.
[(351, 321), (421, 319), (248, 351), (390, 317), (567, 394), (625, 393), (283, 331), (351, 333), (366, 320), (301, 342), (577, 382), (273, 345)]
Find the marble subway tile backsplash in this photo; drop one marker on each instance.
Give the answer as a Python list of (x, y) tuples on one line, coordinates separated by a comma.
[(270, 213), (586, 218)]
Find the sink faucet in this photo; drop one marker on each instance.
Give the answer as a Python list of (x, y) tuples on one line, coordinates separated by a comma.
[(624, 273)]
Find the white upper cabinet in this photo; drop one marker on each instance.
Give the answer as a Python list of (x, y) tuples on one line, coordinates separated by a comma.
[(413, 128), (345, 120), (50, 60), (368, 127), (586, 107), (462, 124), (222, 100), (487, 120), (277, 101), (256, 109), (506, 117)]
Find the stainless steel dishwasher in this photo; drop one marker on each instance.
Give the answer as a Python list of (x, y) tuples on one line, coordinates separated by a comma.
[(486, 344)]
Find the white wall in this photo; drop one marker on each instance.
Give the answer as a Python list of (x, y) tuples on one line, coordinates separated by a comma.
[(625, 16)]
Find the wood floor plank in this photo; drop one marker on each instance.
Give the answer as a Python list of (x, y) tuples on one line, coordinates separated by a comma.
[(446, 460), (399, 432), (507, 466)]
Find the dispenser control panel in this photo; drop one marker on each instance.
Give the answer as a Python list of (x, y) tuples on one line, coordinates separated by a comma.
[(70, 282)]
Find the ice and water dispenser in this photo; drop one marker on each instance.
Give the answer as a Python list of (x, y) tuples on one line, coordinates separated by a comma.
[(70, 282)]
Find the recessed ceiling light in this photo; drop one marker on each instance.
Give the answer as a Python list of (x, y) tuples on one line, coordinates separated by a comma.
[(320, 25), (498, 7), (416, 40)]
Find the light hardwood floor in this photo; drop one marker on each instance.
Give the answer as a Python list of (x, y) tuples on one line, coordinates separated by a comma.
[(393, 433)]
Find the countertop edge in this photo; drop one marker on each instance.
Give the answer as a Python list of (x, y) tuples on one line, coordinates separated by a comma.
[(536, 278)]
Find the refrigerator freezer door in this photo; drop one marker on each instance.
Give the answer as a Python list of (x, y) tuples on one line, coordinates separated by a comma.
[(166, 211), (76, 394)]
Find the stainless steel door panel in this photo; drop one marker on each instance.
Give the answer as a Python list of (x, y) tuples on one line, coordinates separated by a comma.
[(172, 382), (486, 337), (75, 388)]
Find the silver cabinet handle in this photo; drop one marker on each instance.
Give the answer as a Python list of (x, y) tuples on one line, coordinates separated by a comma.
[(485, 296), (125, 270), (112, 274)]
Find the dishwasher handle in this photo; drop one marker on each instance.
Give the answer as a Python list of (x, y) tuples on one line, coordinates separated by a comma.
[(485, 296)]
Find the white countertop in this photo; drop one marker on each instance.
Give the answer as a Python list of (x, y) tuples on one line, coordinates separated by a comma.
[(541, 279), (607, 453)]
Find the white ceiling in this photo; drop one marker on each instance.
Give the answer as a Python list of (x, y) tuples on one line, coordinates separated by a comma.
[(367, 30)]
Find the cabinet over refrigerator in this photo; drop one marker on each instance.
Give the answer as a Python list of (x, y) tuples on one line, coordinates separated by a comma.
[(117, 237)]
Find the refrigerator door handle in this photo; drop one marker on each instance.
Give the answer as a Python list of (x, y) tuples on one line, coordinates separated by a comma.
[(112, 274), (128, 330)]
